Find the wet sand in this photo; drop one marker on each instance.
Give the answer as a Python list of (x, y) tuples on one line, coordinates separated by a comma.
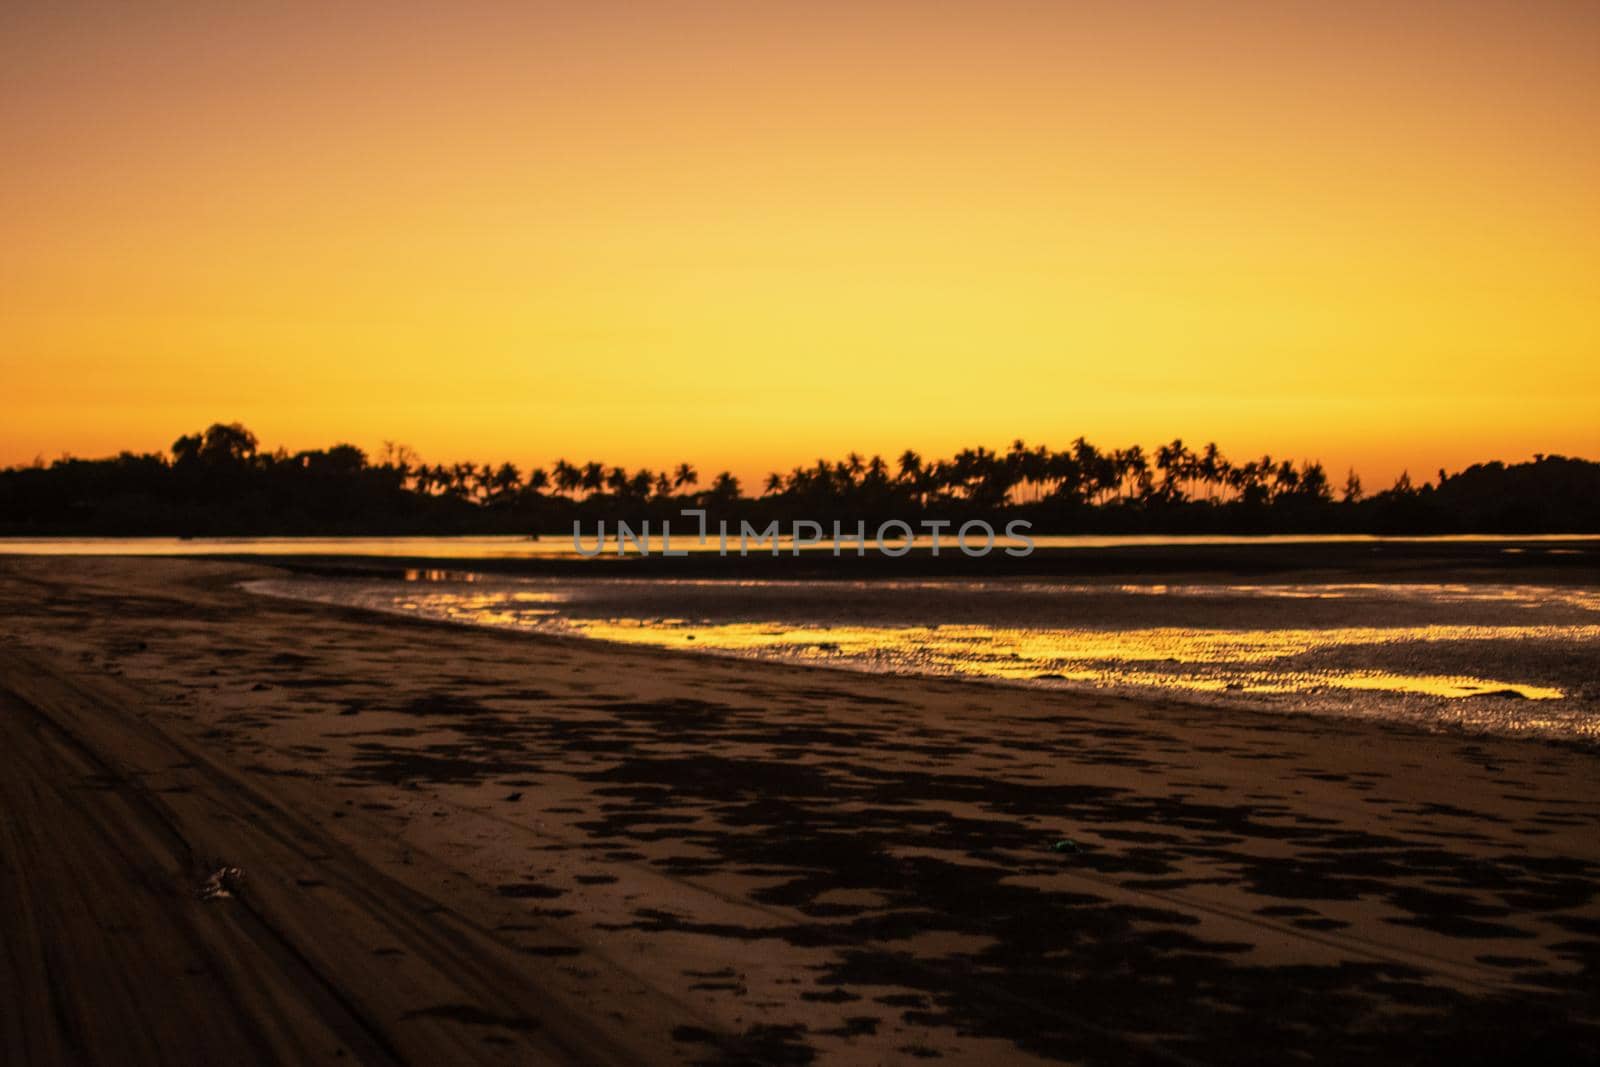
[(467, 846)]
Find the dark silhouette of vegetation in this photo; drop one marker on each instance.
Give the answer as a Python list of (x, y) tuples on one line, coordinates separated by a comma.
[(219, 482)]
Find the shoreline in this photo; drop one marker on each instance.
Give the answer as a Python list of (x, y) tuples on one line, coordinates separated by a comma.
[(770, 863), (1564, 559), (1433, 719), (1189, 700)]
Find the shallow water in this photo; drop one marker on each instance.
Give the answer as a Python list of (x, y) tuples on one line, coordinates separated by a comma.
[(1503, 658), (556, 546)]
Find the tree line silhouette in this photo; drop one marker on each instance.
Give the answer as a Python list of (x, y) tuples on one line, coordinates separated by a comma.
[(220, 482)]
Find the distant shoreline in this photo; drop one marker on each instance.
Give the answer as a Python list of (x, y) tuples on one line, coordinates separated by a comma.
[(220, 482), (1564, 560)]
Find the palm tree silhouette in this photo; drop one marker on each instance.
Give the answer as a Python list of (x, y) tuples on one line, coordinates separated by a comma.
[(1132, 473), (910, 466), (617, 481), (1170, 462), (725, 487), (594, 477), (1052, 485), (1212, 468), (483, 483), (568, 478), (504, 482), (462, 477)]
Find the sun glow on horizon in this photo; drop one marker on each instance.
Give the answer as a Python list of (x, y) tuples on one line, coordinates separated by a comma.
[(749, 235)]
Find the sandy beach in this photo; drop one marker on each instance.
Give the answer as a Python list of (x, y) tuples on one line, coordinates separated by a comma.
[(457, 845)]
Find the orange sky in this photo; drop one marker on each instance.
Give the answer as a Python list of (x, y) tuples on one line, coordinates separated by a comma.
[(748, 234)]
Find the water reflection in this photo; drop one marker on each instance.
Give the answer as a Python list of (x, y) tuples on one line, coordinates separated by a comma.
[(506, 546), (1505, 657), (429, 574), (1245, 661)]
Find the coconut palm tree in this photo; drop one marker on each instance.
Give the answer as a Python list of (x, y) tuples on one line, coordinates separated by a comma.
[(505, 482), (1285, 479), (1212, 468), (1132, 472), (820, 480), (483, 483), (594, 477), (568, 478), (1067, 475), (462, 478), (725, 488), (1017, 464), (1092, 470), (910, 466), (685, 475), (1170, 461), (1254, 481)]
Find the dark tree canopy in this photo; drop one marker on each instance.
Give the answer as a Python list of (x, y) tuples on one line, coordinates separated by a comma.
[(218, 481)]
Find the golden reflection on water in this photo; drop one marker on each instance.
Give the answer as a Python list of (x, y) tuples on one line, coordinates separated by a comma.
[(518, 610), (1198, 660), (432, 574)]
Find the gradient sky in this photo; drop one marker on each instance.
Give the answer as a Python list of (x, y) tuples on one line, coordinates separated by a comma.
[(749, 234)]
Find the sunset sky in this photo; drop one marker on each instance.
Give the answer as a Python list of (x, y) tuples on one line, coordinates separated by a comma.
[(749, 234)]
